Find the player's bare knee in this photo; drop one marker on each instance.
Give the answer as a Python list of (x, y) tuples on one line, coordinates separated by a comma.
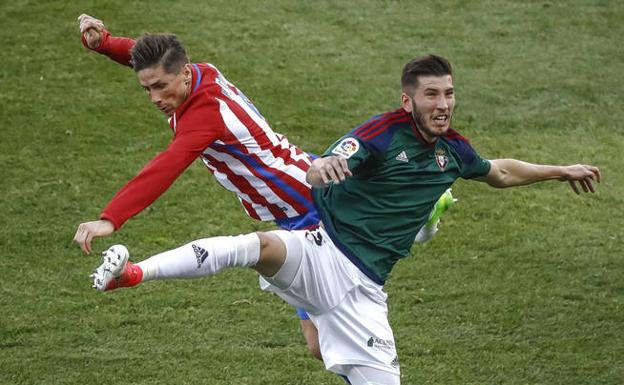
[(272, 254), (270, 245)]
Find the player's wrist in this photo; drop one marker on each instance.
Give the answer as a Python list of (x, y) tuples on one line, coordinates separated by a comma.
[(563, 173), (107, 222), (102, 43)]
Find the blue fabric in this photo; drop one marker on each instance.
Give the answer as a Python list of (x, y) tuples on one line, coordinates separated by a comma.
[(305, 221), (463, 149), (302, 314), (199, 77)]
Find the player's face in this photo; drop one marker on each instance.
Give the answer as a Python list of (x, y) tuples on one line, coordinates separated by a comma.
[(166, 90), (431, 105)]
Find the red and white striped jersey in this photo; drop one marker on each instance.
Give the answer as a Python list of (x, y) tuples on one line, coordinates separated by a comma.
[(218, 124)]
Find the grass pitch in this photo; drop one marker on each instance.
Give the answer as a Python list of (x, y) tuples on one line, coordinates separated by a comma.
[(521, 286)]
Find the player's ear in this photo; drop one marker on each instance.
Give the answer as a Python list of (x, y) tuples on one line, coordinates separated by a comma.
[(188, 73), (406, 102)]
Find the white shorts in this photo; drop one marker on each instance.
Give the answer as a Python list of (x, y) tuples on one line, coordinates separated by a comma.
[(348, 308)]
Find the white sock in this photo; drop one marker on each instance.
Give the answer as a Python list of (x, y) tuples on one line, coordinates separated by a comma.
[(426, 233), (203, 257)]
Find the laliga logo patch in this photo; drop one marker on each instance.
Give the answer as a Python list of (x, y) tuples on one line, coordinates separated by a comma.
[(347, 148), (441, 159)]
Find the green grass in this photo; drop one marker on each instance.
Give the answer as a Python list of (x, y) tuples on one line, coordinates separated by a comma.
[(522, 286)]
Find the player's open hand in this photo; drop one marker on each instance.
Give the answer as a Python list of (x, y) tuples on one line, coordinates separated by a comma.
[(89, 230), (92, 29), (330, 169), (584, 176)]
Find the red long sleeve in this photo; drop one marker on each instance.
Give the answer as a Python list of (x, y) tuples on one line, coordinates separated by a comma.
[(199, 126), (116, 48)]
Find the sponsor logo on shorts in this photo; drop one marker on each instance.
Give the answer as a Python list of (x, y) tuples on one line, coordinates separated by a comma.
[(395, 362), (346, 148), (380, 343), (200, 254)]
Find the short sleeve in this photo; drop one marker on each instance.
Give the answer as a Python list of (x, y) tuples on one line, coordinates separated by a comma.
[(477, 168), (472, 164)]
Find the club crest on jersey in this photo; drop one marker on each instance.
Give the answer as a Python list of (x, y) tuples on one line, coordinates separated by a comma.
[(441, 158), (346, 148)]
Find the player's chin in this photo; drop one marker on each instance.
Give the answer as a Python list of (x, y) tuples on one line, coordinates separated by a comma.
[(438, 129)]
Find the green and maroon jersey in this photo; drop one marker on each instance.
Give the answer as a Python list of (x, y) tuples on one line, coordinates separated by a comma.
[(374, 216)]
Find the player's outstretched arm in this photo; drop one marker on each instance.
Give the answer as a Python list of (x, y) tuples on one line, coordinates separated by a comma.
[(330, 169), (511, 172), (89, 230), (96, 37)]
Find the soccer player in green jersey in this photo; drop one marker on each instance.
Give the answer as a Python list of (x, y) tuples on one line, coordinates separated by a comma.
[(374, 189)]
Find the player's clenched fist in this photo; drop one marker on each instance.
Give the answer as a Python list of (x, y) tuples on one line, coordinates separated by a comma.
[(89, 230), (330, 169), (92, 29)]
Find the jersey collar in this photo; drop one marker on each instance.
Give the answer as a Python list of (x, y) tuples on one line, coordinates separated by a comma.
[(196, 81)]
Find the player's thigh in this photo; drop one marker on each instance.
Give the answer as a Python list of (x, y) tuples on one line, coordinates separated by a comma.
[(315, 275), (311, 336), (365, 375)]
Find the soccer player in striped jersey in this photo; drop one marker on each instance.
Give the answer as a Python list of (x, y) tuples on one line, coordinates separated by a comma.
[(212, 120), (374, 189)]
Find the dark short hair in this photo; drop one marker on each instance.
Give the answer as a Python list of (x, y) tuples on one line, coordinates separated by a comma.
[(428, 65), (154, 49)]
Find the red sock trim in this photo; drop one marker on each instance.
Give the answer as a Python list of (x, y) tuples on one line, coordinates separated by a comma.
[(132, 275)]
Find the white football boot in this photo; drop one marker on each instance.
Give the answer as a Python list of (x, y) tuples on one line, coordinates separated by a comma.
[(114, 261)]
